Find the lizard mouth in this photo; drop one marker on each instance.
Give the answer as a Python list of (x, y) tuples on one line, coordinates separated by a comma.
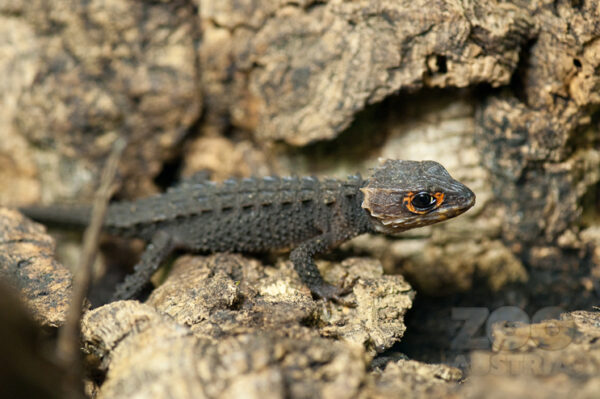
[(462, 204)]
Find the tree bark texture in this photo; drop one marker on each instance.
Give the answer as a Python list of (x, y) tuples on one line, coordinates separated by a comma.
[(505, 94)]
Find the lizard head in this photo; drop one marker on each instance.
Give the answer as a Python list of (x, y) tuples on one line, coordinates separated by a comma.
[(401, 195)]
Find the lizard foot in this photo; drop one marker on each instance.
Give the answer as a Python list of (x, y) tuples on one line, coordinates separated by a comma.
[(332, 293)]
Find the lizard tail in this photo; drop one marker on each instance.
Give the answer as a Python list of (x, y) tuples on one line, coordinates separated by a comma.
[(75, 215)]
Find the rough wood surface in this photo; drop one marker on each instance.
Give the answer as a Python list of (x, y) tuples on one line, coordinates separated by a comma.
[(302, 70), (549, 359), (150, 355), (27, 262), (504, 94), (88, 72), (153, 356), (29, 368), (226, 295), (411, 379), (191, 337)]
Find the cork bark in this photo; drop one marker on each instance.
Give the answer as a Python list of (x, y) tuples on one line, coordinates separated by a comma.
[(27, 263), (503, 94)]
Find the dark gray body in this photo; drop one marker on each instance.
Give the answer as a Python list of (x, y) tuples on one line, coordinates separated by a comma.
[(251, 215), (258, 215)]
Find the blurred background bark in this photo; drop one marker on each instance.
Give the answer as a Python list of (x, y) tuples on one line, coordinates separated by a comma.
[(504, 94)]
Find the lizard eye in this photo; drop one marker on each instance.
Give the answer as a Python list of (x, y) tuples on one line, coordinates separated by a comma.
[(423, 201)]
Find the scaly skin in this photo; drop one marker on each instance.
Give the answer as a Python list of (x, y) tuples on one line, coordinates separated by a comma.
[(258, 215)]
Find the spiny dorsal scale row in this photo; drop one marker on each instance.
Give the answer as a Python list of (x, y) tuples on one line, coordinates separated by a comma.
[(189, 199)]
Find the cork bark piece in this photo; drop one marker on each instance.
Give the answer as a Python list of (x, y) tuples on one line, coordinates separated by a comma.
[(149, 355), (27, 262), (95, 71), (550, 358), (225, 295), (303, 70)]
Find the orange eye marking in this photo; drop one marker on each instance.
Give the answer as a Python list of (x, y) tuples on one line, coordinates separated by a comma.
[(439, 198), (407, 201)]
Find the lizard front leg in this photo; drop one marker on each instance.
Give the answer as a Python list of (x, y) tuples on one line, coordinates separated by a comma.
[(303, 259), (161, 245)]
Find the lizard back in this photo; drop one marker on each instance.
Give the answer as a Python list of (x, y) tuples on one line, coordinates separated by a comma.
[(241, 215)]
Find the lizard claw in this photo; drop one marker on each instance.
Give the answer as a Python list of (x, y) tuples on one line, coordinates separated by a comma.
[(332, 293)]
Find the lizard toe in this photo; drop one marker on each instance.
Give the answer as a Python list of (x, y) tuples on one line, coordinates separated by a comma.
[(332, 293)]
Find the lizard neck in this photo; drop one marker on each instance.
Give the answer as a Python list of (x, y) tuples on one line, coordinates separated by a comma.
[(355, 215), (364, 220)]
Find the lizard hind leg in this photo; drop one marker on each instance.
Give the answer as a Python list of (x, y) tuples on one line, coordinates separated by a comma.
[(302, 258), (161, 245)]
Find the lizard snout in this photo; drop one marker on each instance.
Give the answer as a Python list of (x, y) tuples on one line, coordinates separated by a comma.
[(468, 199)]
